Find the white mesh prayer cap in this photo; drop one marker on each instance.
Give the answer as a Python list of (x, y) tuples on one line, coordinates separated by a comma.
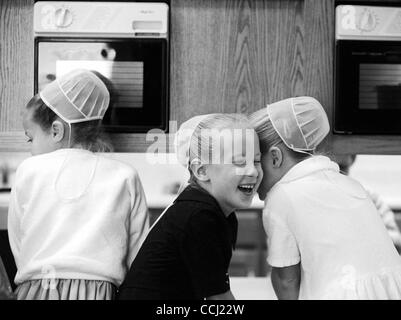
[(77, 96), (182, 139), (300, 122)]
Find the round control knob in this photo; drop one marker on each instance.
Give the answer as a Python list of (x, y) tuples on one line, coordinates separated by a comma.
[(63, 17), (367, 21)]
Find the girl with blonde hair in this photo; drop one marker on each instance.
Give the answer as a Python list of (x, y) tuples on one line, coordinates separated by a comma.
[(187, 253)]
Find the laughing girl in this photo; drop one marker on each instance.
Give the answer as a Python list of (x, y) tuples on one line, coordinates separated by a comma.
[(187, 253)]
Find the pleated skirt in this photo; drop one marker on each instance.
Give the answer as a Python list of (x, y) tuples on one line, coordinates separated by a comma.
[(383, 285), (66, 289)]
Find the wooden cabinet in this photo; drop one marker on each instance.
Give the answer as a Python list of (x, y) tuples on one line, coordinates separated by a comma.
[(225, 56), (16, 69), (236, 56)]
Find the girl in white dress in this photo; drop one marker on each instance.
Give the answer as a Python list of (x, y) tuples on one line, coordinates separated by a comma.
[(76, 219), (325, 237)]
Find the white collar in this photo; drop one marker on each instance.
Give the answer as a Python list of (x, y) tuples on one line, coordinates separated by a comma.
[(321, 163), (71, 150)]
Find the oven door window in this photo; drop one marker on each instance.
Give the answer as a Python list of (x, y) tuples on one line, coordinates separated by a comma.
[(135, 71), (368, 87)]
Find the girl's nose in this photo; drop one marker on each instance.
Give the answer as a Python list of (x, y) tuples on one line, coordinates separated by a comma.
[(251, 170)]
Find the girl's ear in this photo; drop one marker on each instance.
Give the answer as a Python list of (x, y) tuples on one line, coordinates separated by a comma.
[(199, 171), (57, 131), (276, 156)]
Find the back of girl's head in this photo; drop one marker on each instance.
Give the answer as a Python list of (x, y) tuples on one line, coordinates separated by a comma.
[(88, 135), (301, 123), (268, 136)]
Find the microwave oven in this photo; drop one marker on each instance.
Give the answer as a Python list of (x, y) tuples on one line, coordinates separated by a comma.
[(367, 70), (126, 42)]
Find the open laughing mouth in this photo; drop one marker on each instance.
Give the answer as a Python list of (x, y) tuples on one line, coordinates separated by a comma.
[(246, 188)]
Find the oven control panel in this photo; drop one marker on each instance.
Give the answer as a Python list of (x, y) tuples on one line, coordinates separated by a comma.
[(99, 18), (356, 22)]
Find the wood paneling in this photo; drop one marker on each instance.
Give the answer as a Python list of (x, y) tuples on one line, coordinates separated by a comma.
[(319, 63), (237, 56), (16, 61)]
